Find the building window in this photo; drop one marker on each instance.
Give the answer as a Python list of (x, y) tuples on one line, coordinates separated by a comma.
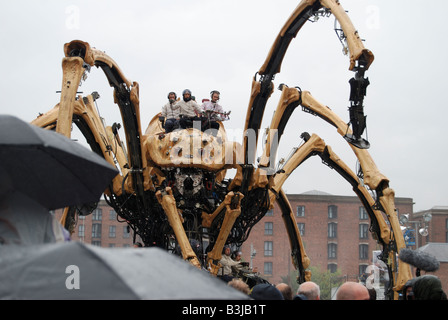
[(301, 227), (363, 251), (81, 230), (332, 212), (112, 215), (268, 248), (332, 267), (363, 214), (269, 213), (126, 232), (96, 230), (446, 230), (267, 268), (332, 230), (96, 243), (268, 228), (363, 270), (112, 231), (300, 211), (446, 227), (363, 231), (332, 250), (97, 214)]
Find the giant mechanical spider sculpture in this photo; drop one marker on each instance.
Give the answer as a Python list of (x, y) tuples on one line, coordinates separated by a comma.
[(172, 188)]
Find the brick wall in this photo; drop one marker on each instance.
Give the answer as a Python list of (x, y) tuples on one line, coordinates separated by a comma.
[(316, 238), (102, 228)]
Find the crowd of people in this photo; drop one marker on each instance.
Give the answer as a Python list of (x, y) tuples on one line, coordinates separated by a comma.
[(426, 287), (307, 291), (183, 113)]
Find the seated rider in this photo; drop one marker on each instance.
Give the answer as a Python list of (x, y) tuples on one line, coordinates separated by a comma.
[(213, 112), (225, 273), (170, 113), (189, 110)]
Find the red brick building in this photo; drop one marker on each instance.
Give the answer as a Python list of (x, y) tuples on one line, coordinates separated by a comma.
[(102, 228), (437, 225), (334, 229)]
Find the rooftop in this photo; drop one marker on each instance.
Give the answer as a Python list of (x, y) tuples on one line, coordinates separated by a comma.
[(438, 250), (317, 193), (440, 208)]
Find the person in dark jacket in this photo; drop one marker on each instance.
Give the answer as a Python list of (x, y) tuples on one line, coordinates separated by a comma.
[(428, 287)]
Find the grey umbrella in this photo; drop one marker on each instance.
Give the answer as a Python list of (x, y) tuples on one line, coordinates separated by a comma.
[(48, 167), (73, 270)]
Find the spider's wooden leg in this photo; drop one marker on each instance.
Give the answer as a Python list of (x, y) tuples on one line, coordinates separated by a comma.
[(233, 210), (289, 100), (385, 203), (303, 13), (126, 96), (73, 70), (381, 228), (166, 199), (374, 179), (48, 119), (311, 146), (260, 93), (79, 57), (298, 254), (360, 60), (207, 218)]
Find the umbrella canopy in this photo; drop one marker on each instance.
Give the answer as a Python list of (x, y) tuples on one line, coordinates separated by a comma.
[(73, 270), (48, 167)]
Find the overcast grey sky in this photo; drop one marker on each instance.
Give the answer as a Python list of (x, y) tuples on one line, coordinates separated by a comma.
[(220, 44)]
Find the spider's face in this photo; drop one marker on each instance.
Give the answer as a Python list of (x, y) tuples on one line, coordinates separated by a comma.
[(192, 148), (189, 183)]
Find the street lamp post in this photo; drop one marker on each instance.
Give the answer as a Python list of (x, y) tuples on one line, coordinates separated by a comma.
[(253, 252), (422, 228)]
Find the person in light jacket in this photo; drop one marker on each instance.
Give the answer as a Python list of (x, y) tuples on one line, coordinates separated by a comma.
[(225, 273), (189, 110), (171, 113)]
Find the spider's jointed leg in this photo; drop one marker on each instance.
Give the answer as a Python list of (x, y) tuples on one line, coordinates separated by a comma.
[(390, 237), (289, 100), (232, 203), (73, 69), (168, 203)]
